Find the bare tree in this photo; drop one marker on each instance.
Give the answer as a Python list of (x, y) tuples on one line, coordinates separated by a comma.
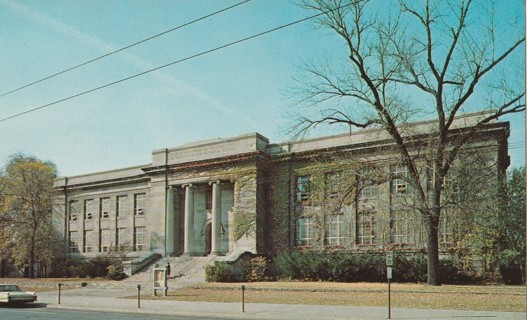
[(451, 56)]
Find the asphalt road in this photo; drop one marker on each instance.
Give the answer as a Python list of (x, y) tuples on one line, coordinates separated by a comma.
[(39, 311)]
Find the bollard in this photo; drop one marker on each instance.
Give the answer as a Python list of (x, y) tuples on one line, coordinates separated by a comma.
[(139, 296), (60, 285), (243, 298)]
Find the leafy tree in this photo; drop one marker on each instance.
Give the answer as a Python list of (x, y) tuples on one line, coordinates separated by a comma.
[(512, 245), (26, 187), (494, 229), (447, 55)]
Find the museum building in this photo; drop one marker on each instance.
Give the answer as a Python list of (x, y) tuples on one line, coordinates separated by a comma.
[(244, 194)]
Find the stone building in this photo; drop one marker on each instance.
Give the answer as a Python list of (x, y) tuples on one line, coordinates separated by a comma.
[(245, 194)]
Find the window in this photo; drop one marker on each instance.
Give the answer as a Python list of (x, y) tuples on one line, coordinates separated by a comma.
[(365, 226), (88, 209), (445, 228), (105, 240), (139, 238), (72, 242), (208, 200), (332, 184), (304, 231), (337, 234), (122, 239), (369, 191), (121, 206), (399, 174), (140, 203), (452, 190), (401, 225), (88, 241), (74, 210), (303, 189), (104, 208)]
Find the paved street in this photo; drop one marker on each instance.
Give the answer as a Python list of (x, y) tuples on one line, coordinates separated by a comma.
[(110, 300), (39, 312)]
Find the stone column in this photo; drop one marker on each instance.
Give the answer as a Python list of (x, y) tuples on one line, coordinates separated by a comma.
[(189, 219), (170, 222), (216, 218)]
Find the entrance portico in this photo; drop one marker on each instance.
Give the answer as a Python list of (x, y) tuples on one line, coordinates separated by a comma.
[(203, 210)]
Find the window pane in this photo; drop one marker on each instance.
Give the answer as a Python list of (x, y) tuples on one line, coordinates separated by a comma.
[(304, 232), (303, 189), (140, 203), (121, 206)]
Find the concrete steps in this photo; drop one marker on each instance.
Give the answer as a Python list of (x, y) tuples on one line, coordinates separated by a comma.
[(184, 270)]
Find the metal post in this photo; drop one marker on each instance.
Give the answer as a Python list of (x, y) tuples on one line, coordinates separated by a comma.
[(389, 300), (139, 296), (243, 298), (60, 285)]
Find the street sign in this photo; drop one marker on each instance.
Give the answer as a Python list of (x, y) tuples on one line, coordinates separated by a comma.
[(389, 258), (389, 272)]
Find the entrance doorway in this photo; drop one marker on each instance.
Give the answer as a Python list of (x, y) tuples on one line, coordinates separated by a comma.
[(207, 230)]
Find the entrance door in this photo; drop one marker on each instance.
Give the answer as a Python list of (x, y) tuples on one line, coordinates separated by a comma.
[(208, 237)]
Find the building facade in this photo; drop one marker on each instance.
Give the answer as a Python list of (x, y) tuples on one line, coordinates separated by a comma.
[(245, 194)]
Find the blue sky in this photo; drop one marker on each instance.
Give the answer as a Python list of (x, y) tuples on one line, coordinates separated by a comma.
[(233, 91)]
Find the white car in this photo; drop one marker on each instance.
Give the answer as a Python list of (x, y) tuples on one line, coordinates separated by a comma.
[(11, 293)]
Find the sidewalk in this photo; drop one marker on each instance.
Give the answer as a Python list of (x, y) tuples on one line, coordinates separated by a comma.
[(111, 300)]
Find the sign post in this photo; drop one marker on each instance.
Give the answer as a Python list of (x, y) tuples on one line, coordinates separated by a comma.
[(389, 264), (160, 280)]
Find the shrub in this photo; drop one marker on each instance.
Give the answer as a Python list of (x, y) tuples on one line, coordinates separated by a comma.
[(257, 269), (331, 266), (116, 271), (409, 268), (99, 266), (219, 272)]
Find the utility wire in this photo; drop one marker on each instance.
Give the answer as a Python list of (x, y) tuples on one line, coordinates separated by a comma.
[(123, 48), (173, 63)]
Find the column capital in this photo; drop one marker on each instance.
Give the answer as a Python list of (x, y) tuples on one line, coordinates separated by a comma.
[(187, 185), (218, 182)]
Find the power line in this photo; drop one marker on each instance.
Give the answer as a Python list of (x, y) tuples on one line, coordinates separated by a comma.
[(173, 63), (123, 48)]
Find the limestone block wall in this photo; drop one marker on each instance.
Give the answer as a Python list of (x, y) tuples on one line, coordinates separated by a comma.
[(85, 212)]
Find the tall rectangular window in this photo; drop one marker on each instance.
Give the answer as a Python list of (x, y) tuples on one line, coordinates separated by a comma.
[(337, 234), (139, 238), (332, 184), (399, 183), (105, 241), (104, 210), (445, 228), (88, 241), (140, 203), (74, 212), (303, 189), (304, 231), (402, 226), (121, 210), (72, 242), (208, 200), (369, 191), (365, 227), (88, 209), (122, 241)]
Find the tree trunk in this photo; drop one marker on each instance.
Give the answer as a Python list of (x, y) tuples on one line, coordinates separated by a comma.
[(32, 259), (432, 226)]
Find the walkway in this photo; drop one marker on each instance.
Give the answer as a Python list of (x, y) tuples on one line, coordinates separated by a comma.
[(111, 299)]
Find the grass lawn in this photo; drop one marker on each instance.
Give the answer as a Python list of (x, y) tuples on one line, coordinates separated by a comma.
[(486, 298), (49, 284)]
